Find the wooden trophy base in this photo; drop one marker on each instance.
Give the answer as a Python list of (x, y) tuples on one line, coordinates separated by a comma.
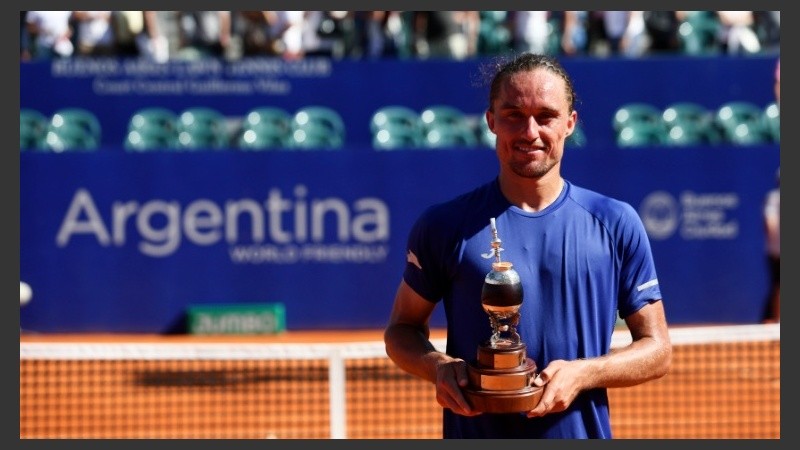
[(500, 381)]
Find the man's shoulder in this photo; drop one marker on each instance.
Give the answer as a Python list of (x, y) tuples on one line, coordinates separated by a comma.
[(599, 204), (481, 194)]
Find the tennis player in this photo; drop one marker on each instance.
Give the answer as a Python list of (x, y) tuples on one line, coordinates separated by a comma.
[(583, 259)]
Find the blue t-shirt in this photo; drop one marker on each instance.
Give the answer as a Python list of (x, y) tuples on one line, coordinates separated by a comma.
[(582, 260)]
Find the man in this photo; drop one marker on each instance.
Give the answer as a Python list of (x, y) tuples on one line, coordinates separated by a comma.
[(772, 227), (582, 257)]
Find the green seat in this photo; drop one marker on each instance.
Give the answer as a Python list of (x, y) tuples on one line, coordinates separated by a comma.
[(265, 127), (270, 117), (494, 37), (771, 120), (197, 139), (397, 136), (686, 112), (749, 133), (435, 115), (450, 135), (202, 127), (263, 138), (70, 137), (641, 134), (395, 116), (150, 137), (732, 114), (315, 121), (636, 112), (698, 34), (154, 116), (315, 136), (76, 117), (688, 133), (33, 127)]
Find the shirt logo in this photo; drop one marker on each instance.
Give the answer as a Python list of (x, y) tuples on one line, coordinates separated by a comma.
[(412, 259)]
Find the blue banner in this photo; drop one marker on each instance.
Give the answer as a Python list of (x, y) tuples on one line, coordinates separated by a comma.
[(116, 242), (115, 89)]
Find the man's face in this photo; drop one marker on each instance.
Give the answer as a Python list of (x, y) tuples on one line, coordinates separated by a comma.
[(531, 119)]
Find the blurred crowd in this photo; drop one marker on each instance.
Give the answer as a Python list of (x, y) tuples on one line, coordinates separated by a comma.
[(185, 35)]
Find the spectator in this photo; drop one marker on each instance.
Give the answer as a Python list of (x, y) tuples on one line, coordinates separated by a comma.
[(51, 33), (777, 83), (772, 228), (574, 34), (662, 30), (204, 33), (531, 31), (327, 33), (138, 33), (438, 34), (24, 38), (625, 33), (736, 33), (253, 28), (469, 26), (286, 33), (94, 33)]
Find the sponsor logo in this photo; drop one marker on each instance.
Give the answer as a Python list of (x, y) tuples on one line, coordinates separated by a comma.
[(695, 216), (280, 229)]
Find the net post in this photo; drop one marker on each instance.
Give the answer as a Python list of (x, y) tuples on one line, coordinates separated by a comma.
[(338, 404)]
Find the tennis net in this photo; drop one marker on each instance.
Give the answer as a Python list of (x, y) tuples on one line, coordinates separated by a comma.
[(724, 383)]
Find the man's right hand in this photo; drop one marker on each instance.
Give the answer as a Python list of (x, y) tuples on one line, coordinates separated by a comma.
[(451, 377)]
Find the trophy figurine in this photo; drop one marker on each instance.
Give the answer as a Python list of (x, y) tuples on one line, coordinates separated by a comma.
[(500, 380)]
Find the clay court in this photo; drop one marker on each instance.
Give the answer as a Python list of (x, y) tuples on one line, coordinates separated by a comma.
[(722, 390)]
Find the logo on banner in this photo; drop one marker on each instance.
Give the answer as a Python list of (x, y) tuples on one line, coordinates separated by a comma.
[(696, 216), (278, 230)]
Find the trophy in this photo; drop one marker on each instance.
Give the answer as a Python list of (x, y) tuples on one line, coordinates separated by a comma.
[(500, 379)]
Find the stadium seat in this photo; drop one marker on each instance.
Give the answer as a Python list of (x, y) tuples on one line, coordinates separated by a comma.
[(395, 116), (270, 117), (317, 117), (688, 133), (70, 137), (32, 129), (771, 119), (80, 118), (732, 114), (154, 116), (435, 115), (749, 133), (698, 34), (150, 137), (316, 126), (450, 135), (636, 112), (314, 139), (494, 37), (686, 112), (263, 138), (395, 127), (641, 134), (202, 127), (152, 128), (265, 127), (397, 136)]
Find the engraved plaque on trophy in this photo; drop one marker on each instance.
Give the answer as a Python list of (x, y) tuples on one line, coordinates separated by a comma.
[(500, 379)]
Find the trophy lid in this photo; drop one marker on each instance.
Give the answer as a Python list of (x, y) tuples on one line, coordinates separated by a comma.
[(502, 266)]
